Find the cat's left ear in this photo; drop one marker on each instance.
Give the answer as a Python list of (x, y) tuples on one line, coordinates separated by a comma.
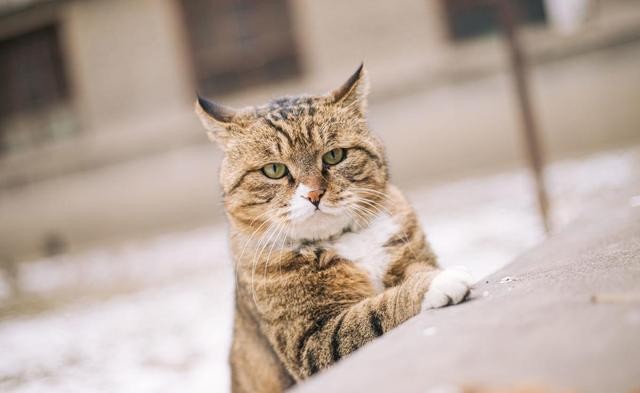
[(220, 121), (353, 93)]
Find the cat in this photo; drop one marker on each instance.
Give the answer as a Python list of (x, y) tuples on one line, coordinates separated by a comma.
[(328, 254)]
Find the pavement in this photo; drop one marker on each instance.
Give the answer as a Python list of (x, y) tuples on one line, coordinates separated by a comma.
[(564, 316)]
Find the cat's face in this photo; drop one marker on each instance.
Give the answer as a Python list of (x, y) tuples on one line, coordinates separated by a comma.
[(305, 167)]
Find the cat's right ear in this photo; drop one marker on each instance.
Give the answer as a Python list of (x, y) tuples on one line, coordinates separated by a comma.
[(220, 121), (353, 93)]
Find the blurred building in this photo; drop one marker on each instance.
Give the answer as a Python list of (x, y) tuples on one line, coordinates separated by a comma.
[(98, 141)]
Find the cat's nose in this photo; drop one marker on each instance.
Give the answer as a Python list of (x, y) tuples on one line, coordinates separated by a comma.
[(314, 196)]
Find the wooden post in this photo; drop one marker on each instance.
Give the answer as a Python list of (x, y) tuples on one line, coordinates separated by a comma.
[(519, 72)]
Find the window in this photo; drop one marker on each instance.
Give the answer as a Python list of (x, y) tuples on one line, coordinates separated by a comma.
[(34, 93), (240, 43), (472, 18)]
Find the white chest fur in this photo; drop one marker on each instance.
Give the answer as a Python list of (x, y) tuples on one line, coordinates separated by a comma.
[(365, 248)]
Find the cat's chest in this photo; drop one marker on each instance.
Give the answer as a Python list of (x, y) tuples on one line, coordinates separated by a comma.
[(366, 248)]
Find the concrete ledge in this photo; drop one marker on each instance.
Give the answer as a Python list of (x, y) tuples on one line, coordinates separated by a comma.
[(568, 317)]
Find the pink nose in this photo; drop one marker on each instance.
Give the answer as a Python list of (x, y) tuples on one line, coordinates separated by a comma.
[(314, 196)]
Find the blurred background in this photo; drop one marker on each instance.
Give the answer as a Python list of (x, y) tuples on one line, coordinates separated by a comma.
[(114, 271)]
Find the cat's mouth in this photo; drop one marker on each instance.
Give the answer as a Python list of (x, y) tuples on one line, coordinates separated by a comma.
[(320, 223), (312, 212), (329, 210), (319, 212)]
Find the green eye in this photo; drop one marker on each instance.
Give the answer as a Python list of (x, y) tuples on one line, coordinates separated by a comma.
[(333, 157), (274, 170)]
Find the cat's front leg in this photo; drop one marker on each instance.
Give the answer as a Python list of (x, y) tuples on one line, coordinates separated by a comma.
[(336, 326), (449, 286)]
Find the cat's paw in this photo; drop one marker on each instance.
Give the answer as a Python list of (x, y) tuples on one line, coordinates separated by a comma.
[(450, 286)]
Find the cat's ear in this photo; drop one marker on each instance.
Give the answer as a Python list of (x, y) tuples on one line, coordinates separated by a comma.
[(353, 93), (220, 121)]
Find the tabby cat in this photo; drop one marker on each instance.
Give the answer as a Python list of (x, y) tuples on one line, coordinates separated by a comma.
[(328, 254)]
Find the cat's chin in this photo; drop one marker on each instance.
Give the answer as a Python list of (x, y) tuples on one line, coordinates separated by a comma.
[(320, 225)]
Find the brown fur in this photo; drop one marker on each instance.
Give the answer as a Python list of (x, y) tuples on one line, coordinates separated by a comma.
[(300, 306)]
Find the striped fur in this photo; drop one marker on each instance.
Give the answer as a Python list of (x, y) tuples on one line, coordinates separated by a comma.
[(301, 305)]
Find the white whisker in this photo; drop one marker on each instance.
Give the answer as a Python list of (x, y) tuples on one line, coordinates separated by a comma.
[(256, 258), (266, 265), (403, 233), (246, 243)]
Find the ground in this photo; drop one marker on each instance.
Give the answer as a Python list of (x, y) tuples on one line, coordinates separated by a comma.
[(154, 315)]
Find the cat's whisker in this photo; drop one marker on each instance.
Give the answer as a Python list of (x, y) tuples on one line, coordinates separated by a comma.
[(246, 243), (355, 206), (367, 220), (379, 207), (368, 194), (403, 233), (264, 243), (371, 190), (282, 245), (373, 213), (354, 218), (257, 262), (371, 194), (358, 192), (256, 256), (373, 198), (261, 215), (266, 265), (375, 203)]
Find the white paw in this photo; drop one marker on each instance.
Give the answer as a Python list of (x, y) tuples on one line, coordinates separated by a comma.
[(448, 287)]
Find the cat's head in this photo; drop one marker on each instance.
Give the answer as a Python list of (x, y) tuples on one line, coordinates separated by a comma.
[(306, 167)]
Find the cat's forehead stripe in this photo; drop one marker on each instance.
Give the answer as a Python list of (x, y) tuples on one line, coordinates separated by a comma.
[(279, 130), (298, 131)]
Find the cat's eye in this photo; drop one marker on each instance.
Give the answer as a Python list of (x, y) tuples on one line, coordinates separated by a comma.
[(274, 170), (334, 156)]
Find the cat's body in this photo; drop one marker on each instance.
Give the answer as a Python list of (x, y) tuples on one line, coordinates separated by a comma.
[(328, 254)]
